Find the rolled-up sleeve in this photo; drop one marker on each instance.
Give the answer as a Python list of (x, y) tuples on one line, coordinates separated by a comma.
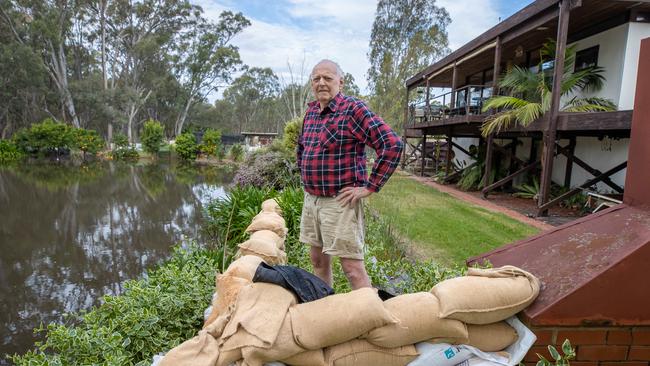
[(374, 132)]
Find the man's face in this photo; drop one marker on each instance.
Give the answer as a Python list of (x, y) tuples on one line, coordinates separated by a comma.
[(325, 83)]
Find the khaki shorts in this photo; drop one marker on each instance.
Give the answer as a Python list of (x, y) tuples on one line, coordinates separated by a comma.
[(335, 228)]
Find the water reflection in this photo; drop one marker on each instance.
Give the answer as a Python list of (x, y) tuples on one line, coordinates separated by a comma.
[(69, 235)]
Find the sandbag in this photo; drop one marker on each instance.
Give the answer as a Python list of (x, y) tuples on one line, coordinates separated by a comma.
[(268, 221), (271, 205), (283, 347), (338, 318), (418, 321), (308, 358), (227, 358), (266, 250), (226, 291), (491, 337), (268, 235), (486, 296), (244, 267), (258, 316), (201, 350), (360, 352)]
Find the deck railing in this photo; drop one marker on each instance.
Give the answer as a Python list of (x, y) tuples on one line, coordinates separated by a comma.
[(467, 100)]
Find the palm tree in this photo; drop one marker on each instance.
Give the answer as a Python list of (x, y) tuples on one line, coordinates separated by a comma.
[(529, 92)]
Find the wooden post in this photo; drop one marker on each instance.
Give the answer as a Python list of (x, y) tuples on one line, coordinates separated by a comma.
[(449, 152), (488, 152), (569, 162), (406, 121), (427, 111), (556, 93), (424, 152), (452, 102)]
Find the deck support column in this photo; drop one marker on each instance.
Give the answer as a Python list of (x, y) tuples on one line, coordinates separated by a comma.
[(495, 78), (551, 131), (427, 110), (449, 152), (454, 85), (569, 162), (406, 122), (424, 152)]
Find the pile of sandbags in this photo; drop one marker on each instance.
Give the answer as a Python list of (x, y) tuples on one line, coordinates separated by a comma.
[(254, 324)]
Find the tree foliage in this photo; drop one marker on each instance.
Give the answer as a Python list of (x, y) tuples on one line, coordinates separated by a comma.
[(407, 35), (152, 136), (253, 97)]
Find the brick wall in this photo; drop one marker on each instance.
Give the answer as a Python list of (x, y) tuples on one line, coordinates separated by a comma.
[(607, 346)]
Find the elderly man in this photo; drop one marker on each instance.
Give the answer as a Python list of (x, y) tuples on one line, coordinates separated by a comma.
[(332, 163)]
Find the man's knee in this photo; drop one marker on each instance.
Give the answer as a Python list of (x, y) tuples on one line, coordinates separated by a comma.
[(318, 258), (353, 269)]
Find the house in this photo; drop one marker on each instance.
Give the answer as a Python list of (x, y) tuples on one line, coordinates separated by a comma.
[(576, 150)]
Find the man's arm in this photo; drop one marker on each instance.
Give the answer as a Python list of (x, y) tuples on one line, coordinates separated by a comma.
[(374, 132)]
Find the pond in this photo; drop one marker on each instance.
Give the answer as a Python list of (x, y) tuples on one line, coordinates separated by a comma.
[(70, 234)]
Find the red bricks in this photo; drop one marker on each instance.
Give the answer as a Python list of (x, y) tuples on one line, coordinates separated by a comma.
[(641, 337), (639, 363), (584, 363), (639, 353), (623, 337), (577, 337), (602, 353), (544, 337), (532, 353)]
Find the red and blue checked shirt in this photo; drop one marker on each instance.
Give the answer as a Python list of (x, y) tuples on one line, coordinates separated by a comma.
[(331, 146)]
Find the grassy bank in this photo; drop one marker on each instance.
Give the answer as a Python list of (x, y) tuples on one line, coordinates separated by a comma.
[(441, 227)]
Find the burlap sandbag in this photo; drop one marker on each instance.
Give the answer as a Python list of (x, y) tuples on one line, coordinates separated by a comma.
[(227, 289), (283, 347), (244, 267), (308, 358), (418, 321), (491, 337), (486, 296), (268, 221), (271, 205), (258, 316), (201, 350), (360, 352), (268, 235), (338, 318), (266, 250), (227, 358)]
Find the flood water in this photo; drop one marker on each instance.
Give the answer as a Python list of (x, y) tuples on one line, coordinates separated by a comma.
[(70, 234)]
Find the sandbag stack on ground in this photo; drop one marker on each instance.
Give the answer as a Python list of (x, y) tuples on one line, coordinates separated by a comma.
[(253, 324)]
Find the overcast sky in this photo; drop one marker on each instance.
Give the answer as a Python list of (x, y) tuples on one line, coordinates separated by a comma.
[(288, 32)]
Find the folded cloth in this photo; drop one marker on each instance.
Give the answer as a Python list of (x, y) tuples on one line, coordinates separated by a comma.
[(306, 286)]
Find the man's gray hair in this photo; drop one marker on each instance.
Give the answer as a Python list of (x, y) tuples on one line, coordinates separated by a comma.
[(339, 71)]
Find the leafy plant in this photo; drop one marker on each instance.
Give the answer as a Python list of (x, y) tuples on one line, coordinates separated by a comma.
[(9, 152), (152, 136), (236, 152), (88, 141), (558, 359), (186, 146), (123, 150), (529, 92), (291, 133), (267, 169), (211, 144), (529, 191)]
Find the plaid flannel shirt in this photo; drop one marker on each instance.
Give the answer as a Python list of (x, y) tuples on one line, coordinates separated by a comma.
[(331, 147)]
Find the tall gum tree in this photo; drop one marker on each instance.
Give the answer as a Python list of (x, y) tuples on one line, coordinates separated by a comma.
[(407, 35)]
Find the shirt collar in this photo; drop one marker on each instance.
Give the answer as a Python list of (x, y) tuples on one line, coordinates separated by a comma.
[(332, 105)]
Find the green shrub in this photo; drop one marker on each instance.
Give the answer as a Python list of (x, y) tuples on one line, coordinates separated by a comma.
[(88, 141), (153, 315), (123, 150), (266, 168), (9, 152), (291, 132), (152, 136), (236, 152), (186, 146), (45, 137), (211, 144)]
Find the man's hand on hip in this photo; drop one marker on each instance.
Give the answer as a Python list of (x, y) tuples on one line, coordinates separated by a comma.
[(350, 195)]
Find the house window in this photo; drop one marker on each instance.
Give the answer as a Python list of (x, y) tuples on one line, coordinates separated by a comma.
[(586, 58)]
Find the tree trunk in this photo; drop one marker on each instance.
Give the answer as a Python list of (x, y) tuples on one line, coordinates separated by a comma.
[(180, 121), (57, 68)]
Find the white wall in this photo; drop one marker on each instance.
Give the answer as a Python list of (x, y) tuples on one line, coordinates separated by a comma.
[(636, 32), (601, 155), (465, 142), (611, 49)]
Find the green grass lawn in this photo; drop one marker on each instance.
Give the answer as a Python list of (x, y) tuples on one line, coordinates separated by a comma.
[(439, 226)]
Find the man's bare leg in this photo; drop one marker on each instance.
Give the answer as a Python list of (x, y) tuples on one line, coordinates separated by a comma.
[(322, 264), (355, 271)]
